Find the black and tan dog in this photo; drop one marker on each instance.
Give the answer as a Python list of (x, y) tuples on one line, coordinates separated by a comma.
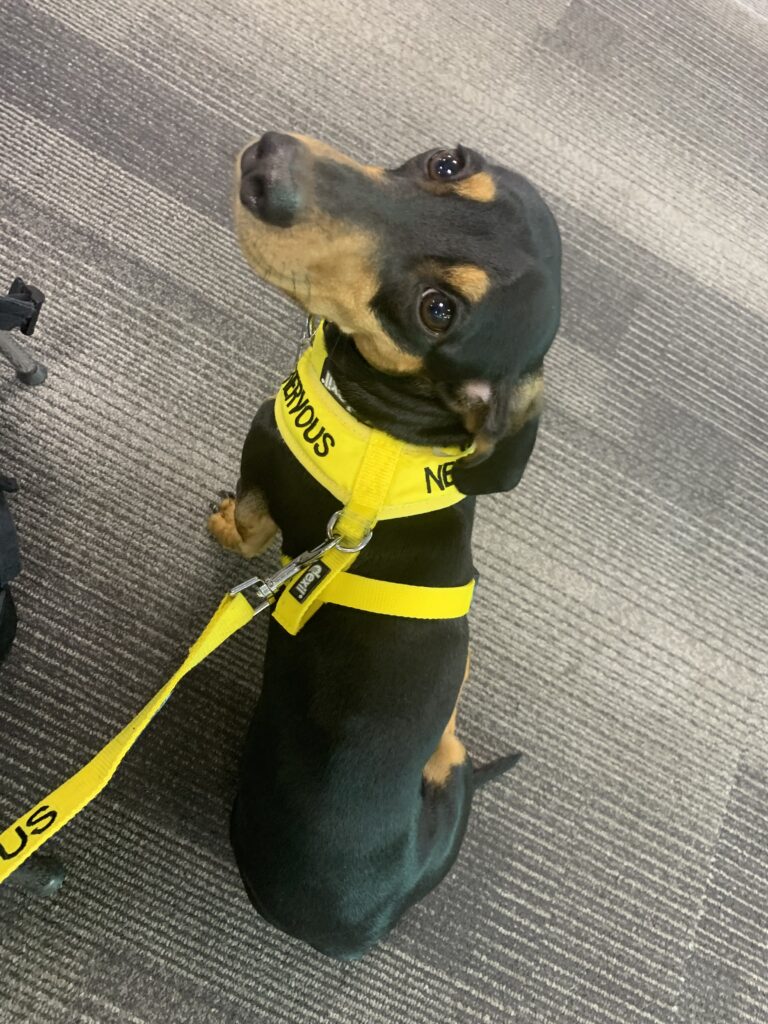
[(440, 285)]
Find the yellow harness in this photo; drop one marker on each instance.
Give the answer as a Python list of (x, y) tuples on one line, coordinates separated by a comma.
[(376, 477), (332, 444)]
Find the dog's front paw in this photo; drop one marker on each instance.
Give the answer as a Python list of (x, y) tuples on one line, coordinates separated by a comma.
[(213, 506), (222, 526)]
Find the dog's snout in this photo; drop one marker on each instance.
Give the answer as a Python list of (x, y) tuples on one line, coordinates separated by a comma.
[(270, 179), (272, 146)]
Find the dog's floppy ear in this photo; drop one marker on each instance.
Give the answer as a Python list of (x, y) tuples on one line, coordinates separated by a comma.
[(503, 417)]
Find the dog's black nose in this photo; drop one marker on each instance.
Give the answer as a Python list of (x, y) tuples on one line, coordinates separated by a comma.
[(269, 179)]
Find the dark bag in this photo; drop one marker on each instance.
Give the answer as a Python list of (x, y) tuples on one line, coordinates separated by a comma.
[(7, 621), (10, 567)]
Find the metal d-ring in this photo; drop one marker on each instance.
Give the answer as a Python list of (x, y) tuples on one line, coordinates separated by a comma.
[(313, 322), (332, 536)]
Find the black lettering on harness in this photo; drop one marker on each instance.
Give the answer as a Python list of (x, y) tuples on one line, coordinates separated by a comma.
[(442, 479), (304, 421), (327, 441), (303, 404), (303, 412), (293, 389), (308, 436)]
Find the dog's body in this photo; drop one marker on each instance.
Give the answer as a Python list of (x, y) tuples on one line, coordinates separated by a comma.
[(355, 791)]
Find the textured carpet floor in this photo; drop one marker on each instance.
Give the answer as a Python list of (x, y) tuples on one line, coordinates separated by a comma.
[(621, 875)]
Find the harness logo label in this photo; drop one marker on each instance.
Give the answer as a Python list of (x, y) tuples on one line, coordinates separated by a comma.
[(298, 406), (39, 821), (307, 582), (442, 478)]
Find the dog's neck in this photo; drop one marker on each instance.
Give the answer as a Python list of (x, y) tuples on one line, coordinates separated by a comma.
[(406, 407)]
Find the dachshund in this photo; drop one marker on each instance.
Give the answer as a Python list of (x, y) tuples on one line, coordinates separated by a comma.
[(439, 286)]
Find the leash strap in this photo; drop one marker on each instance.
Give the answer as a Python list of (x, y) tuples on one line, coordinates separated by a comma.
[(44, 820)]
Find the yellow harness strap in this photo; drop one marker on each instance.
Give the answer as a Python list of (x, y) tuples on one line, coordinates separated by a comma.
[(297, 604), (333, 445), (34, 828), (385, 598)]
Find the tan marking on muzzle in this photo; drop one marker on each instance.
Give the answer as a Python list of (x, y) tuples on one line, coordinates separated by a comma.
[(323, 151), (329, 268), (527, 400)]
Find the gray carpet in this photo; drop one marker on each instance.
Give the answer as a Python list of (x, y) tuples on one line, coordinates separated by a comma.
[(621, 875)]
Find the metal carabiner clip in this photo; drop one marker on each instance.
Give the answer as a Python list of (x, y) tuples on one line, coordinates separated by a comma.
[(267, 590)]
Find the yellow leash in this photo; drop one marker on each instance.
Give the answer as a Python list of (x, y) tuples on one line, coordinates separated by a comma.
[(34, 828), (377, 477)]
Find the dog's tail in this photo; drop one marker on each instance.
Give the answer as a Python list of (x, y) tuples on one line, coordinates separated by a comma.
[(488, 772)]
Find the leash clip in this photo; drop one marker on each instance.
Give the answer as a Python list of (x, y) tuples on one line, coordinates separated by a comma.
[(267, 590)]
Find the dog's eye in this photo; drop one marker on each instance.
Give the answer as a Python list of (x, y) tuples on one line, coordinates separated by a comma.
[(445, 165), (436, 310)]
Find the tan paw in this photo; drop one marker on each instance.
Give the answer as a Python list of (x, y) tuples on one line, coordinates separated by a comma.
[(222, 526)]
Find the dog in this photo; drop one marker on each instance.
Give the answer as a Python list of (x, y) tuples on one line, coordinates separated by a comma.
[(439, 286)]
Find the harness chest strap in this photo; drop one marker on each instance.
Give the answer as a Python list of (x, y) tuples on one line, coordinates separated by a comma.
[(332, 445), (381, 597)]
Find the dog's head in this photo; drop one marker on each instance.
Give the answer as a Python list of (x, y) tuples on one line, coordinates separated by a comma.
[(447, 267)]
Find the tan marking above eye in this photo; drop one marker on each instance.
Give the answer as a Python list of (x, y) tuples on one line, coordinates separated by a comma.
[(479, 187), (471, 281)]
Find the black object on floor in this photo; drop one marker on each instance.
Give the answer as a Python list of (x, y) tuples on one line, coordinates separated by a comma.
[(7, 621), (42, 874), (10, 567), (21, 308)]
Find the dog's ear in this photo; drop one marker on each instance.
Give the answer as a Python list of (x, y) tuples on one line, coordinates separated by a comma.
[(503, 417)]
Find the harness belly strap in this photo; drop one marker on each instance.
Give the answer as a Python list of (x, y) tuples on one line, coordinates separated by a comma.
[(413, 602)]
